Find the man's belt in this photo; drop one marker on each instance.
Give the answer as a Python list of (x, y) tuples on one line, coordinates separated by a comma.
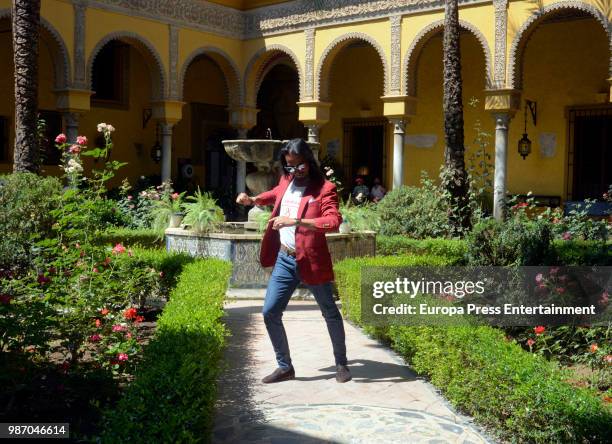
[(288, 251)]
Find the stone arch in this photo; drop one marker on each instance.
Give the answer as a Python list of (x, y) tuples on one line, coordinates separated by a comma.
[(261, 63), (59, 51), (414, 51), (523, 35), (329, 55), (226, 64), (147, 50)]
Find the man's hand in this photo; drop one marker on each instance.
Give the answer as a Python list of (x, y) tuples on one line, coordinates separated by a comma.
[(243, 199), (279, 222)]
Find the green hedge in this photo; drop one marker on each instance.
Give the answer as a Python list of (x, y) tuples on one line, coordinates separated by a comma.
[(402, 245), (577, 252), (520, 395), (129, 237), (581, 252), (172, 396)]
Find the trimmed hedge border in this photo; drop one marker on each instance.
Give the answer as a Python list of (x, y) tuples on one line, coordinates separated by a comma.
[(575, 252), (172, 396), (519, 395), (402, 245), (129, 238)]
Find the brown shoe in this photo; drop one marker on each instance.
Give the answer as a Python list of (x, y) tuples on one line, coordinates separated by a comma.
[(279, 375), (343, 374)]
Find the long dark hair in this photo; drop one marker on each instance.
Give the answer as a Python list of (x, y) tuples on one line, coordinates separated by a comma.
[(298, 147)]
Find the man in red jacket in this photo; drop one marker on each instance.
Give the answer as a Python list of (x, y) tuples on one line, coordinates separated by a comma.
[(305, 208)]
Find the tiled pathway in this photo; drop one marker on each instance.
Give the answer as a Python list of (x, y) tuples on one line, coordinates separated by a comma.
[(384, 403)]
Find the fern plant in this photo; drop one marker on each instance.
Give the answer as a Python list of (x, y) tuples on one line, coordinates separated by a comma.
[(202, 212)]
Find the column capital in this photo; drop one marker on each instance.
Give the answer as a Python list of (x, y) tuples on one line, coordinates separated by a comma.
[(167, 111), (502, 101), (399, 125), (243, 118), (73, 100), (502, 119), (399, 106), (314, 112)]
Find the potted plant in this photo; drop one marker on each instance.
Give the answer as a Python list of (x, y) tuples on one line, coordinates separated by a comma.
[(167, 209), (202, 212)]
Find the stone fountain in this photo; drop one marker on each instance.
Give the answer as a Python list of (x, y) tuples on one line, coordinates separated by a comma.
[(239, 242), (264, 154)]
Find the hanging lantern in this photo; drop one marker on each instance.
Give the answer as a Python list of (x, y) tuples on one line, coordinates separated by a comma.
[(524, 146), (156, 150)]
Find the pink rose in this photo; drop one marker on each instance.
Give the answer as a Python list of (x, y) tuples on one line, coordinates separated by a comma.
[(539, 278), (74, 149), (175, 196), (129, 198), (530, 342), (82, 140), (566, 236), (61, 138), (122, 357), (95, 338), (118, 249), (118, 327)]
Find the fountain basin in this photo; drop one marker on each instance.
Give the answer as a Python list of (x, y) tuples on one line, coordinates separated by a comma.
[(241, 247)]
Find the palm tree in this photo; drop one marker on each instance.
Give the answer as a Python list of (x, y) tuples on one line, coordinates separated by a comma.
[(455, 176), (26, 25)]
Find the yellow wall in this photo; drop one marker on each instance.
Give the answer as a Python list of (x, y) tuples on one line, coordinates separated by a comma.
[(565, 64), (204, 83), (356, 88), (128, 125), (429, 119), (552, 79)]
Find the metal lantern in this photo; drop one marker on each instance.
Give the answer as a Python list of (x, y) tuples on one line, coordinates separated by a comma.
[(524, 146), (156, 150)]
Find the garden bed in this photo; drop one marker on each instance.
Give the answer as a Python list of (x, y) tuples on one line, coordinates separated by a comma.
[(519, 396)]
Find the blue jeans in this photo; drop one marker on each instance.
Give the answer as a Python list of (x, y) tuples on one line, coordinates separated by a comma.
[(283, 281)]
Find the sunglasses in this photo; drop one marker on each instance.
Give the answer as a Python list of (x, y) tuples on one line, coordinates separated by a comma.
[(300, 168)]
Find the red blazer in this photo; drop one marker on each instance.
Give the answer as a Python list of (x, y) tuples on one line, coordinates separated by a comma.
[(312, 255)]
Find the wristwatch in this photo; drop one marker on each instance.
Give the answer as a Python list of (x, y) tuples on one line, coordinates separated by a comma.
[(298, 221)]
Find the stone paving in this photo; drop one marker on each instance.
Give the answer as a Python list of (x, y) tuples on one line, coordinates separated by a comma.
[(384, 403)]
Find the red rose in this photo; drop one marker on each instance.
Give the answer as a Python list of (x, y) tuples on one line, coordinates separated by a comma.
[(130, 313), (539, 330)]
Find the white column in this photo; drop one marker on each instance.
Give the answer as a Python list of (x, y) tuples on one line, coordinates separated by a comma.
[(313, 133), (241, 166), (398, 152), (501, 161), (72, 126), (166, 171)]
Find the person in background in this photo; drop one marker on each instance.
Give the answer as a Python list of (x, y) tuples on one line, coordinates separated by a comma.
[(361, 192), (378, 191)]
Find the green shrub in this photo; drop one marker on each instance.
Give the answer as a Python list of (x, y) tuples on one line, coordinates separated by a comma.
[(583, 252), (172, 396), (418, 212), (144, 237), (513, 242), (523, 397), (26, 202), (402, 245), (520, 395), (348, 276)]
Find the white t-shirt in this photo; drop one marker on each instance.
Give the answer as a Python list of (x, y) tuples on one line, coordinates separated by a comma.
[(289, 207)]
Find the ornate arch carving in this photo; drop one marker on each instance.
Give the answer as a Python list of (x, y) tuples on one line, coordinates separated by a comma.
[(260, 64), (329, 55), (414, 51), (523, 35), (60, 57), (226, 64), (151, 55)]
